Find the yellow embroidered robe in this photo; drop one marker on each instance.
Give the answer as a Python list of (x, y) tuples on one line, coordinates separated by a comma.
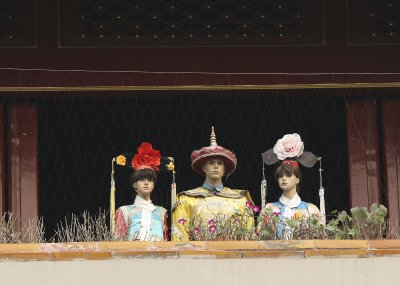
[(197, 209)]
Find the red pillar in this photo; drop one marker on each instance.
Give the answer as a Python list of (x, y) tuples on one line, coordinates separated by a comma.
[(2, 154), (23, 162), (363, 152), (391, 150)]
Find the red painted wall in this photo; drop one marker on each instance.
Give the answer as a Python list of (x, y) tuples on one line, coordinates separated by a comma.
[(22, 162), (2, 174), (363, 150), (391, 146)]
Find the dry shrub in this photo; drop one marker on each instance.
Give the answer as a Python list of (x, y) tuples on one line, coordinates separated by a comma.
[(85, 227), (32, 232)]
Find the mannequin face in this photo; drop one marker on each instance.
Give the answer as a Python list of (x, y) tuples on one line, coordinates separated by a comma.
[(144, 187), (214, 168), (288, 183)]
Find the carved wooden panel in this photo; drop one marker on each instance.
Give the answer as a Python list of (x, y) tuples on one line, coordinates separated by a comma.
[(191, 23), (374, 22), (17, 26)]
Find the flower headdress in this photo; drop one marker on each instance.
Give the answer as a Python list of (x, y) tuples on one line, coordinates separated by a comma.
[(146, 157), (290, 151), (199, 157), (290, 148)]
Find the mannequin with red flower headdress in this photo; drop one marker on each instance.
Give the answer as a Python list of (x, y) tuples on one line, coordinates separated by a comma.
[(142, 220), (289, 152), (212, 210)]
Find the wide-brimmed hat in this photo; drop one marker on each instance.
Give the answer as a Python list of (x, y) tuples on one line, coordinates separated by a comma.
[(200, 157)]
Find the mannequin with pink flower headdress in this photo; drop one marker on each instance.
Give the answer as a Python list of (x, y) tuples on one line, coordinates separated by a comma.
[(289, 152)]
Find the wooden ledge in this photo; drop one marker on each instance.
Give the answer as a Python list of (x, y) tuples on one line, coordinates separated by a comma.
[(272, 86), (199, 250)]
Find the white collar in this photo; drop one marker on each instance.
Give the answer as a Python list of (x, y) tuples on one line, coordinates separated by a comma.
[(290, 203), (142, 203)]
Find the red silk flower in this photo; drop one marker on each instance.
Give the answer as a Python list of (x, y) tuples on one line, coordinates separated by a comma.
[(147, 157)]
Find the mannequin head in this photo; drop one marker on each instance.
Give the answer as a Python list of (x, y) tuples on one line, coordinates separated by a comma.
[(214, 169), (288, 177), (143, 181)]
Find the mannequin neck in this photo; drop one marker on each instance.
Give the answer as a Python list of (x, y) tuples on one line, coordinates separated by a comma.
[(289, 194)]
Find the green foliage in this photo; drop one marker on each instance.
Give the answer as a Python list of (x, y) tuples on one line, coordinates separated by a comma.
[(269, 222), (368, 225), (378, 214), (223, 228), (361, 224)]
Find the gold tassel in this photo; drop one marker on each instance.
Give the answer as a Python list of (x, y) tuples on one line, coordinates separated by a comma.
[(173, 191)]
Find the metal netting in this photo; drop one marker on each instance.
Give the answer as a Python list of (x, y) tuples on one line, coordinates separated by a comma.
[(80, 133)]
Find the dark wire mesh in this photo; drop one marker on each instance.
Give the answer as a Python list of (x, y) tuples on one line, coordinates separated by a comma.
[(79, 136)]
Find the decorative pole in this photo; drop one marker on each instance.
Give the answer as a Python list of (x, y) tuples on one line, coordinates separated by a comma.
[(263, 188), (173, 184), (173, 191), (321, 194), (112, 199)]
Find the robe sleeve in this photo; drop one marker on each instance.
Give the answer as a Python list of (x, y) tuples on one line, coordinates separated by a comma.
[(165, 230), (250, 219), (181, 216), (120, 224), (314, 210)]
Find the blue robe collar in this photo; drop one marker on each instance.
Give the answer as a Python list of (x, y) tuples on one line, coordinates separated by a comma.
[(211, 188)]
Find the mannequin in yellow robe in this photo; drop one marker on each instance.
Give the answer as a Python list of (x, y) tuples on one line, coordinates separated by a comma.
[(212, 211)]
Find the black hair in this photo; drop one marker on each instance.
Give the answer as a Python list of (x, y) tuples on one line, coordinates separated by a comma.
[(141, 174)]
